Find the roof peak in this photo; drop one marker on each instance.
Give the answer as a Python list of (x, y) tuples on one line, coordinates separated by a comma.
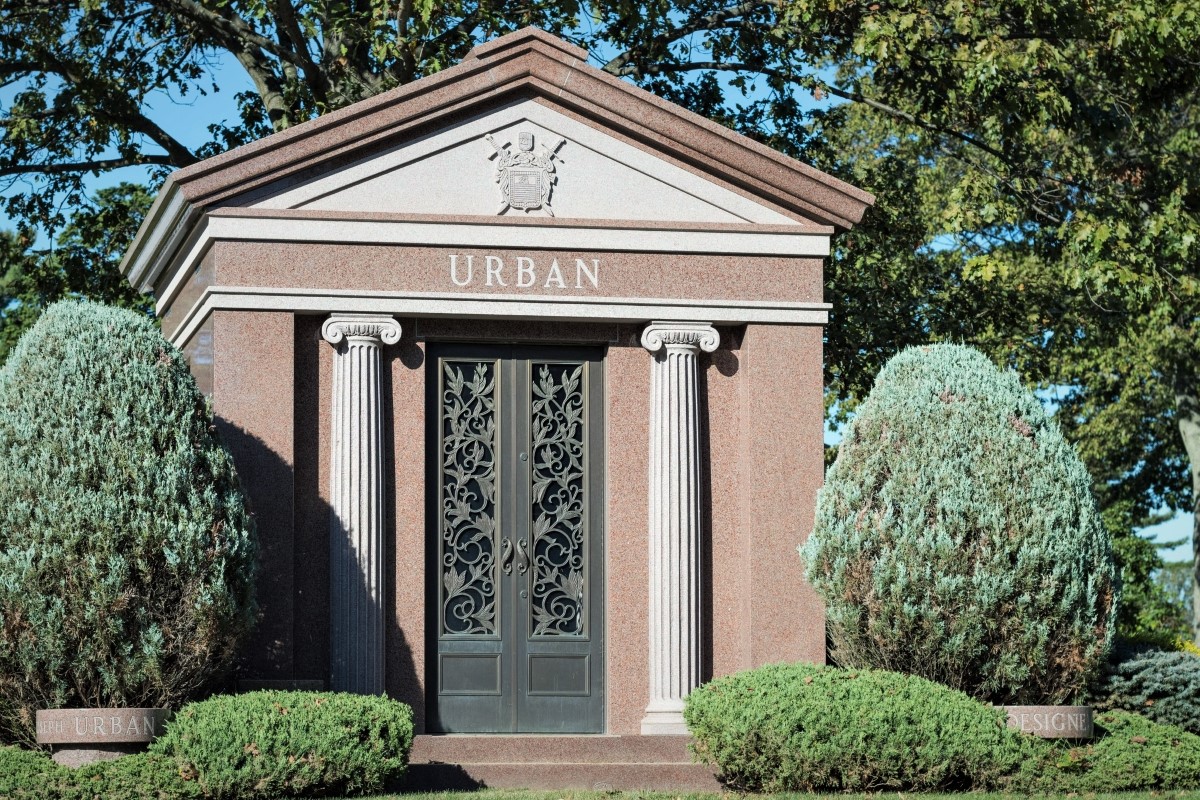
[(524, 39)]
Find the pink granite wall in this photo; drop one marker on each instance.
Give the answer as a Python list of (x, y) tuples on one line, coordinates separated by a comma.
[(272, 389), (782, 469), (253, 384), (627, 376)]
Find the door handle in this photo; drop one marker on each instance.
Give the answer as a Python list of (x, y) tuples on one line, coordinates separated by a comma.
[(506, 554), (522, 557)]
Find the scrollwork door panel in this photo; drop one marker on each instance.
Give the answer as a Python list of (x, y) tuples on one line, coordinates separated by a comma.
[(516, 530)]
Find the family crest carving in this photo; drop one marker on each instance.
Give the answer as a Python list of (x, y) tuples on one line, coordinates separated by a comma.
[(526, 176)]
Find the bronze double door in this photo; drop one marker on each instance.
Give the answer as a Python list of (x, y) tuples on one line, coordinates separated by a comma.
[(516, 550)]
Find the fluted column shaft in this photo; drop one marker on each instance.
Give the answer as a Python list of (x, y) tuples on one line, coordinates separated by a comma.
[(356, 493), (675, 518)]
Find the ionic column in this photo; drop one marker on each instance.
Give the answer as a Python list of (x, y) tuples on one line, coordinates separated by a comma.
[(675, 521), (357, 591)]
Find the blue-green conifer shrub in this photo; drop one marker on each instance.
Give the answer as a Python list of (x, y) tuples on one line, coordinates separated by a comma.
[(1160, 685), (956, 536), (126, 550)]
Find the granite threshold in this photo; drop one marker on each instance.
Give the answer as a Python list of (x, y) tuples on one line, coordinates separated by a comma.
[(601, 762)]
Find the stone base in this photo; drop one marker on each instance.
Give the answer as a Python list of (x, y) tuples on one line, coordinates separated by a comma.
[(664, 723), (593, 762), (77, 755)]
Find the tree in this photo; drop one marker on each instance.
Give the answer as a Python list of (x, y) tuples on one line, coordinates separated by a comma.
[(127, 553), (82, 264), (956, 536), (1035, 160)]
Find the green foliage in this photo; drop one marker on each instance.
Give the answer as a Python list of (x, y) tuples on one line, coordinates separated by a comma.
[(1163, 686), (32, 775), (1150, 614), (288, 744), (82, 264), (126, 551), (956, 537), (1129, 753), (800, 727)]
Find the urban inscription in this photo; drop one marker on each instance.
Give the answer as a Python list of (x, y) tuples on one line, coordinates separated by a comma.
[(524, 272)]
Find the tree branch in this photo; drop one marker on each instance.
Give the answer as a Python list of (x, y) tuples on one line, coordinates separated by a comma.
[(230, 29), (87, 166), (625, 64)]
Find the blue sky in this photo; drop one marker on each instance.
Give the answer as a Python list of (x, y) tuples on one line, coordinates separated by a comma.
[(188, 119)]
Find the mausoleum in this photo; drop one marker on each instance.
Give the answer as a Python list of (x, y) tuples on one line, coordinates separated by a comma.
[(521, 368)]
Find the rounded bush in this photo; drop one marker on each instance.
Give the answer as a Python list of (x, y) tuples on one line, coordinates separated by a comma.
[(126, 550), (1163, 686), (799, 727), (957, 539), (286, 744)]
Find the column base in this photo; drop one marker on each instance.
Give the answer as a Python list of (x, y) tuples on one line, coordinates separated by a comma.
[(664, 723)]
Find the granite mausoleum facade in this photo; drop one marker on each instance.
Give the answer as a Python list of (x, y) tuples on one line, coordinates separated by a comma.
[(521, 367)]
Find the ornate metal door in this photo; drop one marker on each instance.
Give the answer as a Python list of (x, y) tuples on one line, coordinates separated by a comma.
[(516, 572)]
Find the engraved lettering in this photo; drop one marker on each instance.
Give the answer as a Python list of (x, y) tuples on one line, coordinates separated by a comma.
[(1074, 722), (592, 274), (526, 277), (133, 726), (555, 275), (148, 726), (98, 726), (81, 726), (1057, 722), (454, 270), (493, 265), (116, 726)]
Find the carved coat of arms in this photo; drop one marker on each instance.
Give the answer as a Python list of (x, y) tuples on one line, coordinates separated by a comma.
[(526, 176)]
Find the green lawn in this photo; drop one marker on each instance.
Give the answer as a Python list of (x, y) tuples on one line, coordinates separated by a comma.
[(515, 794)]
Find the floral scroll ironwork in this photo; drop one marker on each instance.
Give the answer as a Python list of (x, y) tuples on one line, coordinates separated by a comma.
[(468, 496), (557, 601)]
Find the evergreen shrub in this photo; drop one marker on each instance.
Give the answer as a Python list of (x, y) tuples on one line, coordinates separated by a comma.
[(957, 539), (800, 727), (1163, 686), (274, 744), (126, 550), (1129, 753), (32, 775)]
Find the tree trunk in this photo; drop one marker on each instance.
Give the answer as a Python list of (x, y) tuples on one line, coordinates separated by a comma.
[(1187, 410)]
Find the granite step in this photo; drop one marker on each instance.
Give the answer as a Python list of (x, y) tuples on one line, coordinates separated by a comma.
[(598, 762)]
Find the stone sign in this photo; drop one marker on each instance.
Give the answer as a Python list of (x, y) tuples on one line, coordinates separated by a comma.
[(1052, 722), (100, 725)]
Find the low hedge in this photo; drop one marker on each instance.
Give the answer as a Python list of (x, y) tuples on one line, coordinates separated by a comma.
[(799, 727), (32, 775), (1129, 753), (285, 744)]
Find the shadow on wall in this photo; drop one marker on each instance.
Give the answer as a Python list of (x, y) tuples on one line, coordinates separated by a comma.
[(289, 649), (725, 361)]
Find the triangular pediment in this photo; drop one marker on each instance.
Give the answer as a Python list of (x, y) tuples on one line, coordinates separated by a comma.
[(421, 150), (573, 171)]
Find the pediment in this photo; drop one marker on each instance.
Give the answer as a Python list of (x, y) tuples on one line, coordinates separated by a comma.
[(573, 171)]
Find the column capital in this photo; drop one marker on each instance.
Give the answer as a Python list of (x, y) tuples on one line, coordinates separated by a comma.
[(702, 335), (372, 327)]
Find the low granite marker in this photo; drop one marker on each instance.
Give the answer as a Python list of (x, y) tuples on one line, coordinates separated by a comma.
[(80, 736), (1052, 722)]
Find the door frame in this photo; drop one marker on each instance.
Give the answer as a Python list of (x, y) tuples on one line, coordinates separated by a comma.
[(514, 362)]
